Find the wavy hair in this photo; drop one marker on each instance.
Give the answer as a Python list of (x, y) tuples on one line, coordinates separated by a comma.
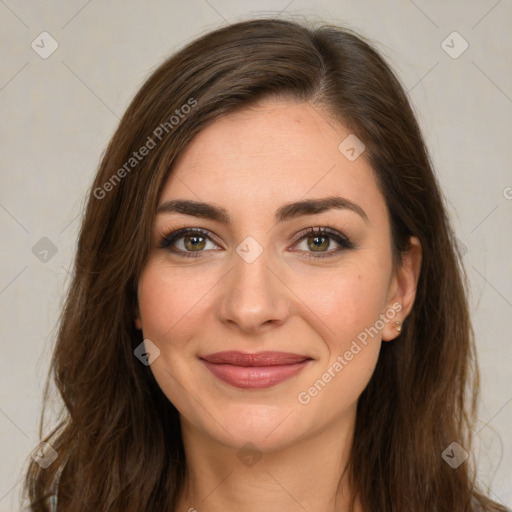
[(118, 439)]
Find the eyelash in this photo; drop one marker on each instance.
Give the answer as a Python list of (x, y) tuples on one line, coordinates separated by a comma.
[(167, 241)]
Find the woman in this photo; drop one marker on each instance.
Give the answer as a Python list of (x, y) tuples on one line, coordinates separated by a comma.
[(268, 310)]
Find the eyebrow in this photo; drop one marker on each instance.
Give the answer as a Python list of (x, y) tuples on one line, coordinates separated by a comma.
[(284, 213)]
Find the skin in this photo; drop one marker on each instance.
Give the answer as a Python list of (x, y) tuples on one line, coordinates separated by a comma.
[(251, 163)]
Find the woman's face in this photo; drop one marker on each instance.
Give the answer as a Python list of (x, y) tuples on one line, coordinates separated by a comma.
[(252, 278)]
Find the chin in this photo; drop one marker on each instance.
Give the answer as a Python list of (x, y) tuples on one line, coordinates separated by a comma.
[(269, 428)]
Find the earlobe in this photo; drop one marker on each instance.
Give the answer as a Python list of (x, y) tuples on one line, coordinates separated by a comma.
[(392, 330)]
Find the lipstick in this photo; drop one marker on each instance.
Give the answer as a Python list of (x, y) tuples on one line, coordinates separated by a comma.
[(254, 370)]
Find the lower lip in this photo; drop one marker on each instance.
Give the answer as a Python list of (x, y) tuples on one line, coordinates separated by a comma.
[(255, 377)]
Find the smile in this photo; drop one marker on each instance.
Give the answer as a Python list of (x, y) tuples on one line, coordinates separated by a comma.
[(254, 371)]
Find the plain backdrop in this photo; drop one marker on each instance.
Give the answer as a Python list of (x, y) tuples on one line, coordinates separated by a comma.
[(59, 111)]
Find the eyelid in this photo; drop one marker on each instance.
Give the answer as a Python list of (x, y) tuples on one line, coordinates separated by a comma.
[(343, 241), (326, 230), (169, 238), (166, 239)]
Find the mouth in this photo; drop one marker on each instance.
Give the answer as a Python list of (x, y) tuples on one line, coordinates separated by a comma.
[(254, 371)]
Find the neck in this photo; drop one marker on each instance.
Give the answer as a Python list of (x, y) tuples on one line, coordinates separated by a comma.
[(306, 475)]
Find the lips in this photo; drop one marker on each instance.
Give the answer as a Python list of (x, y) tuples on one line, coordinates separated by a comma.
[(258, 359), (254, 371)]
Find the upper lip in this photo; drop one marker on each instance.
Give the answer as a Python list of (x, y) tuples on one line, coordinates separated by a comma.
[(254, 359)]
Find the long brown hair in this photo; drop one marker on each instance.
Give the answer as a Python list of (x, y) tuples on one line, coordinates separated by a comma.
[(119, 442)]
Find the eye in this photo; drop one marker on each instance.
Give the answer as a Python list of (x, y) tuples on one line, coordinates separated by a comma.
[(316, 241), (188, 242)]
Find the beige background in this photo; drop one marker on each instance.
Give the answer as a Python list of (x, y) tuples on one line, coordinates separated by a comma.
[(58, 114)]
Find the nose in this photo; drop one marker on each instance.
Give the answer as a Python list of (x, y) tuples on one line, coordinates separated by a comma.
[(254, 297)]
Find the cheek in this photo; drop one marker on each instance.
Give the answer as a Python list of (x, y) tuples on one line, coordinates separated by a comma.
[(169, 300), (351, 345), (349, 306), (169, 303), (348, 301), (333, 307)]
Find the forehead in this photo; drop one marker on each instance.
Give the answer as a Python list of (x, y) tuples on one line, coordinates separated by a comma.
[(269, 154)]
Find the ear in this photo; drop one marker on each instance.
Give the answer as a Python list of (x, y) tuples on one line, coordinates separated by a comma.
[(402, 288), (138, 323)]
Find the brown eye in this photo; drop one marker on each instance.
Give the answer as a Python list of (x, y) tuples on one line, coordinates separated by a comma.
[(318, 243), (188, 242), (194, 242)]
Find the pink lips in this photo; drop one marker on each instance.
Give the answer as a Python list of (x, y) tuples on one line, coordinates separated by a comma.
[(254, 371)]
